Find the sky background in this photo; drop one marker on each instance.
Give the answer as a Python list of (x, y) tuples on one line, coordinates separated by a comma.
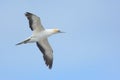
[(89, 50)]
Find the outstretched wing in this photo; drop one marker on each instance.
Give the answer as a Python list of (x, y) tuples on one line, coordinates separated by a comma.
[(47, 51), (34, 22)]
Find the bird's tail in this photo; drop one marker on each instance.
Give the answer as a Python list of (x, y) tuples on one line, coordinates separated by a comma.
[(24, 42)]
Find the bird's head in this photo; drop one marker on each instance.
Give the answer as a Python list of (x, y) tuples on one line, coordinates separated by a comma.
[(53, 31), (56, 30)]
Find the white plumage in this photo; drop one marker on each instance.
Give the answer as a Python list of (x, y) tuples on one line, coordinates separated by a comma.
[(40, 36)]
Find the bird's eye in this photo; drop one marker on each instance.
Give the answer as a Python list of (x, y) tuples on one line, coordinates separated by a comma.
[(59, 31)]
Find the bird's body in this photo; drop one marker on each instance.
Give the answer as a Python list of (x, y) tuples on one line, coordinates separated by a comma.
[(39, 36), (36, 36)]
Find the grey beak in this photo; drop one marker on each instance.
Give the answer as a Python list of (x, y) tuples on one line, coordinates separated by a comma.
[(61, 32)]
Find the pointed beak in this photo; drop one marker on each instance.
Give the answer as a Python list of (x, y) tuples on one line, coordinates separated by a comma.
[(61, 32)]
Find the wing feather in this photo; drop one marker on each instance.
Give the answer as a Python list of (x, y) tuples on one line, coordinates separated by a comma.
[(34, 22), (47, 51)]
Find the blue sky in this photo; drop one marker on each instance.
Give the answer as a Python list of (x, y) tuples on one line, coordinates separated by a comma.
[(89, 50)]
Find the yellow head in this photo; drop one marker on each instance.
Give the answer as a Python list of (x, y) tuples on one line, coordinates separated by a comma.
[(53, 31), (56, 30)]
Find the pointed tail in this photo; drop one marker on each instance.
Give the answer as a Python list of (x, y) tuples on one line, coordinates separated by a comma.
[(23, 42)]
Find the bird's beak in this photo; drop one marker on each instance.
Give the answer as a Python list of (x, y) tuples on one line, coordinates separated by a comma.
[(61, 32)]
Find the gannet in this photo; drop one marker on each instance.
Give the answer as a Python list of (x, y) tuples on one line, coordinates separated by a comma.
[(39, 36)]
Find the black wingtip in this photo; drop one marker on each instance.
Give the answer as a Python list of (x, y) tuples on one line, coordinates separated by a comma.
[(28, 14), (48, 61), (50, 65)]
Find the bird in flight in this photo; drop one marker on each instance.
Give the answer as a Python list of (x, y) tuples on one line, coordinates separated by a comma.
[(39, 36)]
